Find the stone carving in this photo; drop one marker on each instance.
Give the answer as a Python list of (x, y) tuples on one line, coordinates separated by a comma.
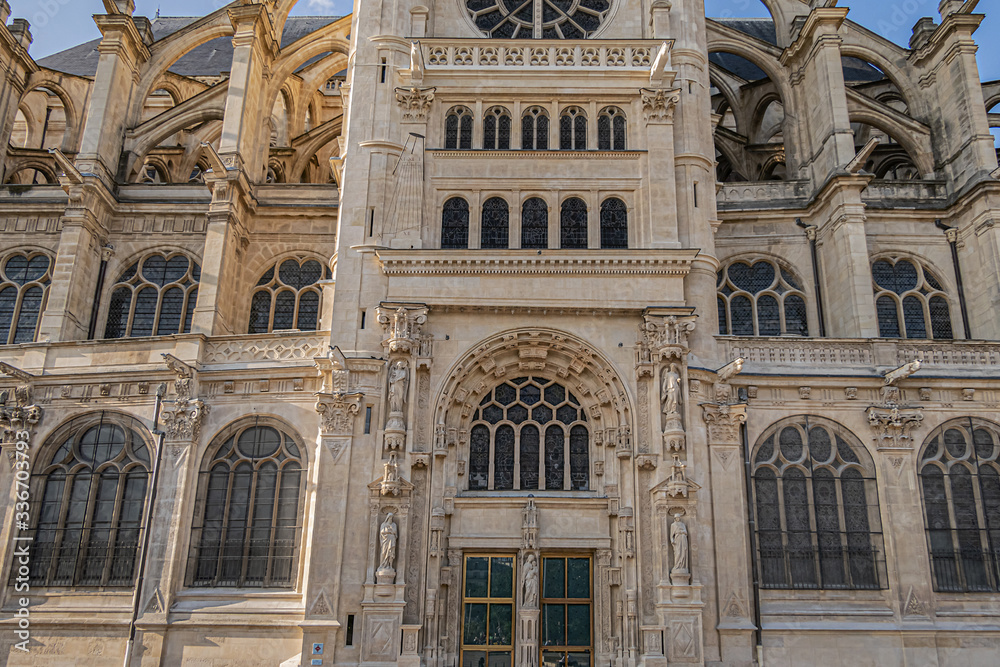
[(901, 373), (659, 104), (155, 604), (402, 326), (415, 102), (684, 643), (666, 336), (333, 370), (678, 485), (805, 393), (388, 535), (679, 543), (321, 605), (186, 375), (724, 423), (390, 477), (399, 380), (182, 419), (851, 393), (913, 606), (529, 585), (893, 426), (968, 394), (275, 347), (529, 526), (925, 393), (337, 412), (22, 416), (670, 394), (723, 389)]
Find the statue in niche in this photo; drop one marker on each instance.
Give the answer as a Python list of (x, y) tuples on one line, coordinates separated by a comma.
[(389, 533), (670, 393), (390, 476), (679, 541), (399, 376), (530, 585)]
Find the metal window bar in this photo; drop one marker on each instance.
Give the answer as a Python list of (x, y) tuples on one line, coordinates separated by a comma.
[(856, 563)]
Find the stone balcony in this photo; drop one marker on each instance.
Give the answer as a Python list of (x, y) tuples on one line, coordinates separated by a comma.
[(763, 195)]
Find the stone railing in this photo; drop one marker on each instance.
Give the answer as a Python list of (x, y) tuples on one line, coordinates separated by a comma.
[(885, 194), (284, 347), (596, 54), (763, 194)]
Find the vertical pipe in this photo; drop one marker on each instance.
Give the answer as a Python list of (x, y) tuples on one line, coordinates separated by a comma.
[(952, 235), (105, 254), (811, 234), (752, 528)]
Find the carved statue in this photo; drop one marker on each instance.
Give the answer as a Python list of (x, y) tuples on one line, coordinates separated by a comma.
[(901, 373), (389, 533), (679, 541), (398, 382), (530, 578), (670, 392), (390, 477)]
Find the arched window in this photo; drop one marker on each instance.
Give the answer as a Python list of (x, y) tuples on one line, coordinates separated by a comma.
[(529, 433), (535, 129), (248, 517), (286, 297), (611, 129), (573, 129), (816, 505), (495, 224), (458, 129), (155, 296), (910, 301), (91, 493), (534, 223), (614, 223), (496, 129), (760, 299), (455, 223), (960, 484), (573, 224), (23, 292)]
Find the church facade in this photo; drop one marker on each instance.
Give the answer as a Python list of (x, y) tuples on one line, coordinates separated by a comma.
[(486, 333)]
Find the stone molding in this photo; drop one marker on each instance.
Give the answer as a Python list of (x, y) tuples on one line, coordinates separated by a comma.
[(529, 262), (633, 56)]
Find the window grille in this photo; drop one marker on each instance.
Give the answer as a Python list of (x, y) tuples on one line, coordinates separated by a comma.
[(496, 129), (567, 635), (287, 297), (573, 224), (760, 299), (909, 301), (455, 223), (534, 223), (519, 439), (535, 130), (816, 504), (156, 296), (495, 224), (87, 504), (248, 517), (23, 292), (614, 223), (573, 130), (545, 19), (611, 129), (458, 129), (960, 484)]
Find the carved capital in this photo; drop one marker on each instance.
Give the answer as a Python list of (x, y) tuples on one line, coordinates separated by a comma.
[(723, 422), (415, 102), (893, 425), (18, 418), (659, 104), (337, 412), (182, 418), (402, 326), (665, 336)]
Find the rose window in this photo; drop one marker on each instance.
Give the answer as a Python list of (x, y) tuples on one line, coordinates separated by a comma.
[(539, 19)]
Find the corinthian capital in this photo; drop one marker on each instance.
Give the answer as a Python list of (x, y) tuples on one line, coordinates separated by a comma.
[(402, 325), (182, 418), (893, 425), (659, 104), (337, 412), (723, 422)]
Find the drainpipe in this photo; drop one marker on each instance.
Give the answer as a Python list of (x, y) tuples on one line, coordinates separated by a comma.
[(752, 529), (147, 515), (952, 235), (811, 235), (106, 253)]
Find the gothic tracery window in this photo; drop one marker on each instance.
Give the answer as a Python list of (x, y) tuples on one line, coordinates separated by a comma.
[(535, 129), (529, 433), (544, 19), (534, 223), (155, 296), (458, 129), (287, 297), (248, 517), (816, 505), (573, 129), (455, 223), (88, 522), (960, 484), (614, 223), (573, 224), (611, 129), (496, 129), (495, 224), (760, 299), (23, 291), (910, 301)]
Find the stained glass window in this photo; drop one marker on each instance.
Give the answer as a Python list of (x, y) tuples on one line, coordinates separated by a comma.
[(760, 298), (614, 223), (287, 297), (534, 223), (573, 224), (541, 19), (573, 129), (909, 301), (535, 129), (816, 508), (611, 129), (960, 484), (496, 129), (458, 129), (455, 223), (154, 296), (535, 434), (24, 288), (248, 517), (495, 224)]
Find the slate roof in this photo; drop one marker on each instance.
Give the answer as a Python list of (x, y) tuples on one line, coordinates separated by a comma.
[(209, 59)]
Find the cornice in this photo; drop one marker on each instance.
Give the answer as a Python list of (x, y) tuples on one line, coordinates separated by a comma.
[(538, 155), (534, 262)]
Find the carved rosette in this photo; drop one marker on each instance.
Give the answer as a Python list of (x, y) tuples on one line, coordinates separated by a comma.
[(182, 418), (402, 326), (723, 422), (337, 412), (415, 102), (893, 426), (659, 104)]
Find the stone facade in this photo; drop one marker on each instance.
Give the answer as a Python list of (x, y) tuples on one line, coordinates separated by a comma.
[(417, 312)]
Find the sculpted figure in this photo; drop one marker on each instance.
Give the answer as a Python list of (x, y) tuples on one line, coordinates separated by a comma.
[(530, 582), (389, 534), (679, 541), (398, 382), (670, 391)]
